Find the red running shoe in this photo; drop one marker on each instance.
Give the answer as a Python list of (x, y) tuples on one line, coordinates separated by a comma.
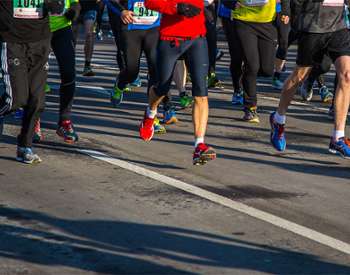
[(147, 128), (66, 131), (202, 154)]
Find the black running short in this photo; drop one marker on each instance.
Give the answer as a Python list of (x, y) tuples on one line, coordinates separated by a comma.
[(313, 46)]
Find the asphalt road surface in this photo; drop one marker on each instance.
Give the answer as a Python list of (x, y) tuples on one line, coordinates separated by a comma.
[(131, 207)]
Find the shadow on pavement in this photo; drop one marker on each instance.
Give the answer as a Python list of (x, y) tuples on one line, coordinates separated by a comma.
[(114, 247)]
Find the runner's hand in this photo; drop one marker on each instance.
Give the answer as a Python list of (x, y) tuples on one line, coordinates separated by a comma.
[(285, 19), (187, 10), (127, 17)]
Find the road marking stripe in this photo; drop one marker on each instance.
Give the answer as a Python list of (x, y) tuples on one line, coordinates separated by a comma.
[(237, 206)]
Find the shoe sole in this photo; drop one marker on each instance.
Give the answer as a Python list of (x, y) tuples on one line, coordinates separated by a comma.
[(327, 100), (204, 158), (173, 120), (28, 162), (255, 120), (69, 141), (335, 152), (160, 132)]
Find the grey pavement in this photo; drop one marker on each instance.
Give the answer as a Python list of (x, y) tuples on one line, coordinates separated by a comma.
[(76, 215)]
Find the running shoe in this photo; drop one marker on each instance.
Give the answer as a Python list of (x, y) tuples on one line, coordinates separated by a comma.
[(277, 136), (305, 92), (237, 98), (26, 155), (214, 82), (326, 94), (342, 146), (185, 101), (38, 135), (147, 128), (170, 116), (19, 114), (88, 71), (137, 82), (66, 131), (202, 154), (110, 34), (158, 128), (251, 115), (118, 95), (99, 35), (47, 88), (277, 84)]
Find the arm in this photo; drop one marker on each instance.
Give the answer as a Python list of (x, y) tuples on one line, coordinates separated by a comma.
[(162, 6), (285, 4)]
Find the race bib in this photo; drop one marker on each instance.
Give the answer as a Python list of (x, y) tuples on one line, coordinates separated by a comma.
[(144, 16), (28, 9), (255, 3), (333, 3)]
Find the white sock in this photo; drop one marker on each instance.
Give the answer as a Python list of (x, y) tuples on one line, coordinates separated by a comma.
[(198, 140), (151, 113), (280, 119), (338, 134)]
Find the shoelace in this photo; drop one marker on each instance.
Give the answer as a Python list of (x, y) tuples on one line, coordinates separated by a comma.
[(67, 126)]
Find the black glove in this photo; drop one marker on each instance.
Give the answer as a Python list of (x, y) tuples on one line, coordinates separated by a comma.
[(70, 14), (230, 4), (187, 10), (55, 7)]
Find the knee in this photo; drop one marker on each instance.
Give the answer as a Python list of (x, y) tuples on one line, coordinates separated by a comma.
[(299, 75), (251, 69), (266, 71), (201, 100)]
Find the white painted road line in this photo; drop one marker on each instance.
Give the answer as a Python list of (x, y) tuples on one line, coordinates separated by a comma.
[(237, 206)]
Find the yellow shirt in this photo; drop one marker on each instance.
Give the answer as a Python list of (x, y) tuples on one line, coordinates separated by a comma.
[(263, 14)]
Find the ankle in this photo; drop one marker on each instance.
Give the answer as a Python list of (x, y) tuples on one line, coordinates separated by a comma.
[(198, 140)]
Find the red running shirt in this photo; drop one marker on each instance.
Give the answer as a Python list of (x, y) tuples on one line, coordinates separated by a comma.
[(174, 25)]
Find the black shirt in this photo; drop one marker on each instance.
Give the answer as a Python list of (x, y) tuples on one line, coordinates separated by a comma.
[(315, 16), (87, 5), (15, 25)]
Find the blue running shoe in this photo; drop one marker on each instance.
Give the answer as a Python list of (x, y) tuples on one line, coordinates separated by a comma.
[(137, 82), (277, 138), (169, 116), (237, 98), (342, 146)]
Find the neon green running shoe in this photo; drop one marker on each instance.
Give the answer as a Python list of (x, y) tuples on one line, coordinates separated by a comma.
[(158, 128), (214, 82), (185, 101), (47, 88), (117, 95)]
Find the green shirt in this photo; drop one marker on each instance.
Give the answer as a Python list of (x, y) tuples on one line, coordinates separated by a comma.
[(60, 22), (262, 14)]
